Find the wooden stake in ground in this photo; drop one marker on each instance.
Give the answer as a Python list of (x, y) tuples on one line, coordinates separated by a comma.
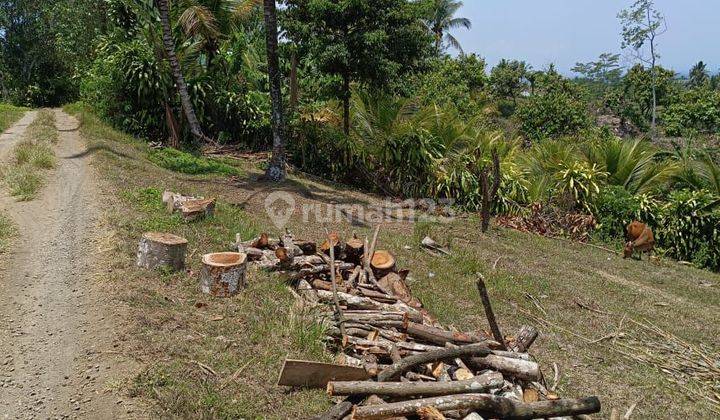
[(489, 313), (161, 250), (223, 273)]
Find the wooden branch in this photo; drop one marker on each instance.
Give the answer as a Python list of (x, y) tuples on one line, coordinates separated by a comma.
[(478, 384), (488, 406), (439, 336), (359, 302), (517, 368), (396, 369), (524, 339), (489, 313), (338, 311)]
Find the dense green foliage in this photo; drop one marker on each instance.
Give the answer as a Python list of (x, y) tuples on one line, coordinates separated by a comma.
[(419, 122)]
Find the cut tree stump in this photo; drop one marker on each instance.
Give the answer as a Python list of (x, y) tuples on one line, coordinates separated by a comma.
[(383, 262), (196, 209), (223, 273), (161, 250)]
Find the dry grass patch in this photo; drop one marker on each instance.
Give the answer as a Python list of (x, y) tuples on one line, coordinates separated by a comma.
[(7, 230), (33, 156)]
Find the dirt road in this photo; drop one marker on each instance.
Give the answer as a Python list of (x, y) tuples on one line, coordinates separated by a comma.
[(59, 346)]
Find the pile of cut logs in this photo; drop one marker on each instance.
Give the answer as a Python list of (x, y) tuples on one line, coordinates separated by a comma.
[(395, 359)]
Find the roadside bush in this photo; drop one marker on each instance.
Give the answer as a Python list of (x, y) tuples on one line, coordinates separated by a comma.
[(184, 162), (689, 228)]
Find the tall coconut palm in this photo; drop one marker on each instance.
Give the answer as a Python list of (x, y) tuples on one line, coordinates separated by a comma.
[(276, 169), (169, 44), (442, 19)]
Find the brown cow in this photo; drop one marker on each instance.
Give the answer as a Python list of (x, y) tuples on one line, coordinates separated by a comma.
[(634, 230), (640, 239)]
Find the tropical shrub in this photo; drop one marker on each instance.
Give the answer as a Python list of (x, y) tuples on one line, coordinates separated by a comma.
[(689, 227), (556, 107), (697, 111), (631, 164)]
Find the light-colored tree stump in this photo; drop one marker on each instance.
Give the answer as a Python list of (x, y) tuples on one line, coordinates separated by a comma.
[(223, 273), (195, 209), (161, 249), (382, 263)]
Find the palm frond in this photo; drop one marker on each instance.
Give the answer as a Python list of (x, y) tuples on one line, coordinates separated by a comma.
[(199, 20)]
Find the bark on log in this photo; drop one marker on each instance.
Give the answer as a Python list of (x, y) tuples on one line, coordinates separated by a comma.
[(440, 336), (397, 320), (253, 254), (223, 273), (173, 201), (318, 269), (307, 292), (359, 302), (478, 384), (379, 296), (525, 338), (489, 312), (517, 368), (395, 285), (354, 249), (161, 249), (307, 247), (489, 406), (396, 369)]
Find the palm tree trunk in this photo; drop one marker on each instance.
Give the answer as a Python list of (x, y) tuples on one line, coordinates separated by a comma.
[(346, 102), (169, 44), (276, 169)]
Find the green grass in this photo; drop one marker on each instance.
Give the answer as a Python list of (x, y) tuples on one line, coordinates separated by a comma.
[(9, 114), (174, 325), (173, 321), (186, 163), (7, 230), (33, 156)]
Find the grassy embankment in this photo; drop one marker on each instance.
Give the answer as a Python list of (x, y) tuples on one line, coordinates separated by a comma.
[(9, 114), (33, 156), (589, 304)]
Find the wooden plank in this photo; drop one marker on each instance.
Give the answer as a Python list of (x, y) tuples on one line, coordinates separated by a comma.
[(308, 374)]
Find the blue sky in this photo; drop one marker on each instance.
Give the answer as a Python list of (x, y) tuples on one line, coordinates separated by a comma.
[(566, 31)]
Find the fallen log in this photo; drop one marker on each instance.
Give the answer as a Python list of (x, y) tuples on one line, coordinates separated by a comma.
[(161, 250), (359, 302), (223, 273), (396, 369), (517, 368), (478, 384), (486, 405), (440, 336), (319, 269)]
